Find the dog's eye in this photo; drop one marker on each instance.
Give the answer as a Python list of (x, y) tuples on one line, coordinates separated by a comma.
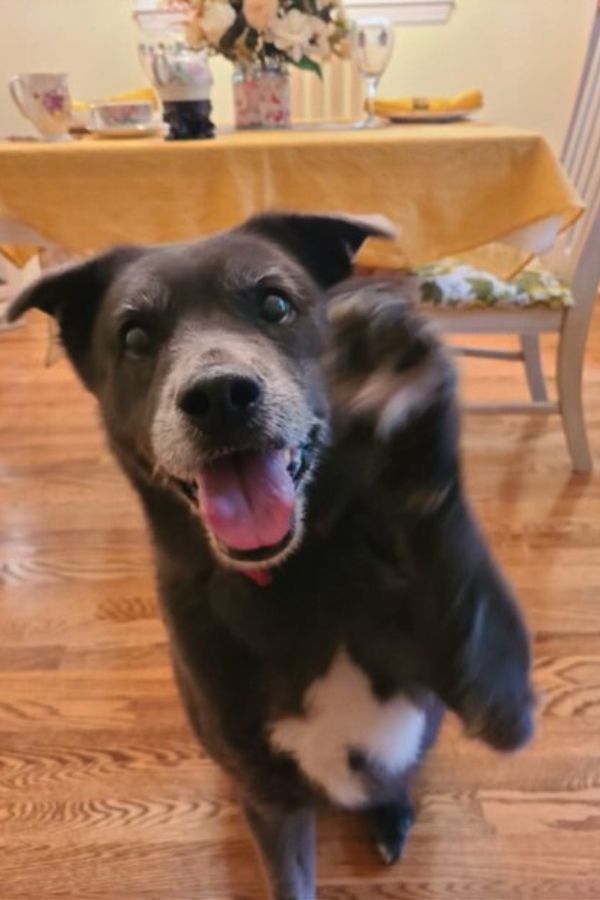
[(136, 340), (276, 309)]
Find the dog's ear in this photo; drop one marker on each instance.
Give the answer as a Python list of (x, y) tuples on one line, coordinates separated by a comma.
[(324, 244), (72, 295)]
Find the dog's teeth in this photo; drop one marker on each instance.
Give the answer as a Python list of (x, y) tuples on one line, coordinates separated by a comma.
[(295, 461)]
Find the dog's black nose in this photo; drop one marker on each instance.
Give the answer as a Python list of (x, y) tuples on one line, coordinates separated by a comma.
[(220, 401)]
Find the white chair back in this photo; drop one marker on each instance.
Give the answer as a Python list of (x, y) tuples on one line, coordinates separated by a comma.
[(581, 158), (337, 96)]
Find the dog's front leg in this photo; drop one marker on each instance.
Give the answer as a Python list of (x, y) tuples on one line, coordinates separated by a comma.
[(468, 616), (286, 843), (394, 405)]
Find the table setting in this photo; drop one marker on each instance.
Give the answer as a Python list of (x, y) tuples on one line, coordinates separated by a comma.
[(149, 165), (264, 40)]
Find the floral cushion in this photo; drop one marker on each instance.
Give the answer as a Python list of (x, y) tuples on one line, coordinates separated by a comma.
[(453, 284)]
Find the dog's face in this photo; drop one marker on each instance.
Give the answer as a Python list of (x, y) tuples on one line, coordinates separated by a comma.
[(206, 362)]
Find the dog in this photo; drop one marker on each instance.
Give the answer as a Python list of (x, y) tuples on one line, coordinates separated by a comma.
[(293, 437)]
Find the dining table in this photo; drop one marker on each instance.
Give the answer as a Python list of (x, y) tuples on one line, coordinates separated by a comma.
[(449, 188)]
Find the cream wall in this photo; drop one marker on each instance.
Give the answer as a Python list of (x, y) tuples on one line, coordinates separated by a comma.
[(524, 54)]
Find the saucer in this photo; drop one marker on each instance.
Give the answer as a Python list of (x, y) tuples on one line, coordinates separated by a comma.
[(152, 129), (430, 115)]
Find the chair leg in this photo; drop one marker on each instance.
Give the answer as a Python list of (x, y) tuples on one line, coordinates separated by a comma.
[(569, 377), (530, 347)]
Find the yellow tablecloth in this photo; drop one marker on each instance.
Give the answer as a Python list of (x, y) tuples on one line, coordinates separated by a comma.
[(449, 188)]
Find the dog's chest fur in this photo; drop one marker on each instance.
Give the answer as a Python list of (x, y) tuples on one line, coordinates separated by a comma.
[(344, 721)]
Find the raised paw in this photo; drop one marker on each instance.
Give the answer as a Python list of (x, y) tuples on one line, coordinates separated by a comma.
[(386, 364)]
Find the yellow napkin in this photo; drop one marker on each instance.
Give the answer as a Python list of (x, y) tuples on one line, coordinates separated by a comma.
[(146, 94), (139, 94), (472, 99)]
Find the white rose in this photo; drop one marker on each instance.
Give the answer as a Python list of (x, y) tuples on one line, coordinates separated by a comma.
[(216, 19), (319, 48), (292, 33)]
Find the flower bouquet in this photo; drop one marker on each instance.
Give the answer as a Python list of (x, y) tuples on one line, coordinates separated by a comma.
[(304, 33), (263, 37)]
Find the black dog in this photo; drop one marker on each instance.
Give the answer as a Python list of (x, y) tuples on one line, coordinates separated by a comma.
[(294, 446)]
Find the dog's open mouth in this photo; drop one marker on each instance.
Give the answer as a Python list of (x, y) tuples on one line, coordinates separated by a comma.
[(248, 500)]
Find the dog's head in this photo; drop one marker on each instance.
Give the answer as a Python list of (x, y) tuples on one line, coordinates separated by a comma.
[(206, 362)]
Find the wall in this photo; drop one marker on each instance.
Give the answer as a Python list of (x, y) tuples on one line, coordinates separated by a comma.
[(94, 40), (524, 54)]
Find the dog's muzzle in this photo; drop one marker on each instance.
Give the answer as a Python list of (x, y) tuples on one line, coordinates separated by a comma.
[(247, 490), (249, 501)]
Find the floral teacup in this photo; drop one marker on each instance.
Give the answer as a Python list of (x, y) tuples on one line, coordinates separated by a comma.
[(44, 99)]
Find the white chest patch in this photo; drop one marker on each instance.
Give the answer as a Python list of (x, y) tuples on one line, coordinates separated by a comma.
[(342, 714)]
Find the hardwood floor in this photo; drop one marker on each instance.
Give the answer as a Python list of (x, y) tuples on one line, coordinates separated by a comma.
[(104, 794)]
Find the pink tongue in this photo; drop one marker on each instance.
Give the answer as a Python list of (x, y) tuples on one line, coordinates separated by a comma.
[(247, 500)]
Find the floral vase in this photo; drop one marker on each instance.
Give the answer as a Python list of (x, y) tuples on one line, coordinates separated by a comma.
[(261, 96)]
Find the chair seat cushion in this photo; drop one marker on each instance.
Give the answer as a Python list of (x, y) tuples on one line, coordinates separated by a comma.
[(453, 284)]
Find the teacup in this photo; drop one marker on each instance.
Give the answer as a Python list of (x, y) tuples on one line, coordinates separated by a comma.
[(44, 99), (121, 114)]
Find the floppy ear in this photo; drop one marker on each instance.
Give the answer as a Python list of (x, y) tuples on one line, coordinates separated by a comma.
[(324, 244), (72, 294)]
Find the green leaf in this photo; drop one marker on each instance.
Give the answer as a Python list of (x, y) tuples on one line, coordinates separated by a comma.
[(528, 280), (252, 39), (309, 65), (431, 292), (482, 288)]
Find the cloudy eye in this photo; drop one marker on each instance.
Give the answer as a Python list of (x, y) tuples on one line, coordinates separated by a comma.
[(276, 309), (136, 340)]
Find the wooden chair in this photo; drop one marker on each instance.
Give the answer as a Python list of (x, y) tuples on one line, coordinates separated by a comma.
[(576, 261), (338, 96), (12, 280)]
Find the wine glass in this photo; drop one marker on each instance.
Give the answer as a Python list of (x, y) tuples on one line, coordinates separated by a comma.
[(372, 44)]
